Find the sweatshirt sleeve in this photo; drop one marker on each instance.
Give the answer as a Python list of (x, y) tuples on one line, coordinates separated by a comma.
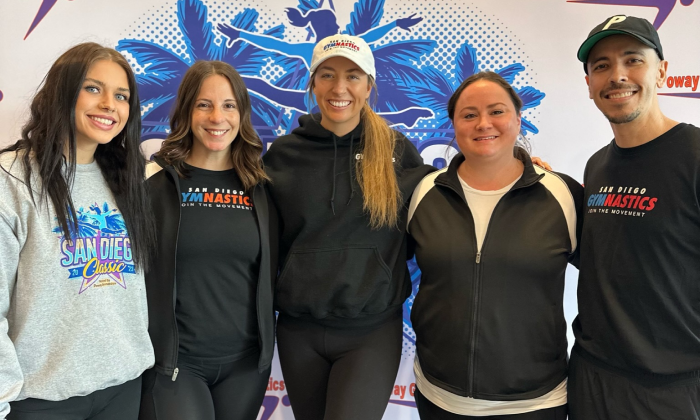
[(10, 372)]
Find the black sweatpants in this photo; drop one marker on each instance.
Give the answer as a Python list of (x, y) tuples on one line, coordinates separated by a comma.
[(120, 402), (205, 391), (339, 374), (598, 394), (429, 411)]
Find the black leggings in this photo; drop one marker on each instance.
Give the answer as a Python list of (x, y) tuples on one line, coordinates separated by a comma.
[(339, 374), (205, 391), (429, 411), (120, 402)]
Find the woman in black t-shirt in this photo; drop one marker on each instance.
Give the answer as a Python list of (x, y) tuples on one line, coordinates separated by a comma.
[(209, 292)]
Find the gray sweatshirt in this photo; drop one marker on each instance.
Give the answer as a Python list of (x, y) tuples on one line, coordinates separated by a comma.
[(73, 317)]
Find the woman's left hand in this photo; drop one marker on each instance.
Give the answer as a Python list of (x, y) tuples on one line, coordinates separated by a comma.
[(539, 162)]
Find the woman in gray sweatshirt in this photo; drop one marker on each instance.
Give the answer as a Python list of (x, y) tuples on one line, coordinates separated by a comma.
[(74, 243)]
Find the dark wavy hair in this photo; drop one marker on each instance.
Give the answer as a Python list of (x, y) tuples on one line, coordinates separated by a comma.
[(500, 81), (50, 134), (246, 149)]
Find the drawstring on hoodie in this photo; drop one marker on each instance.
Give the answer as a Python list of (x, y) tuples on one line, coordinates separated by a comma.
[(350, 163), (335, 158), (350, 170)]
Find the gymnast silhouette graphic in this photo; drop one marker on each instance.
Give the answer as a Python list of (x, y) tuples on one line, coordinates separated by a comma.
[(321, 23)]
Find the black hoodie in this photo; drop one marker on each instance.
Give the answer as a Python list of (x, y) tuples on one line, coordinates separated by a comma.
[(336, 270)]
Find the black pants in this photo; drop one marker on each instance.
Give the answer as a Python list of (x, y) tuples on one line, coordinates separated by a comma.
[(120, 402), (597, 394), (429, 411), (205, 391), (339, 374)]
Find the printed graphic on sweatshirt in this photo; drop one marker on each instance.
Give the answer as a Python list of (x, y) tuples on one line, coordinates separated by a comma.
[(100, 253), (223, 198), (623, 201)]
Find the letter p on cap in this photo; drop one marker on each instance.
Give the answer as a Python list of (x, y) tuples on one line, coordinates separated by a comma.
[(613, 20)]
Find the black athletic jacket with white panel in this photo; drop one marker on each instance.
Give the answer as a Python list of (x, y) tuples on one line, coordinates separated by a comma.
[(490, 324)]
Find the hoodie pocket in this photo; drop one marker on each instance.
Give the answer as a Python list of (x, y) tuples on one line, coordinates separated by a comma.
[(341, 282)]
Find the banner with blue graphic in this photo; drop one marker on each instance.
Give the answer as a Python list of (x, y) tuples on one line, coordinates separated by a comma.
[(423, 50)]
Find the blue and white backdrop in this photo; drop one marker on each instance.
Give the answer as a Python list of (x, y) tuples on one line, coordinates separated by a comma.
[(423, 49)]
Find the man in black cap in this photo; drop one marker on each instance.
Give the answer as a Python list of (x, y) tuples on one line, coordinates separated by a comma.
[(637, 351)]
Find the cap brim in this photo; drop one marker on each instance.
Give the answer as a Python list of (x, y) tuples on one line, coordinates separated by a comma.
[(587, 46), (316, 64), (341, 53), (338, 53)]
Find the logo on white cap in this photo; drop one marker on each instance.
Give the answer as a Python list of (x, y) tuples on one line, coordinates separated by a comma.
[(351, 47), (341, 44)]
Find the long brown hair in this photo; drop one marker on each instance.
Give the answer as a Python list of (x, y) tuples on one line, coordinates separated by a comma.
[(376, 170), (246, 148), (51, 130)]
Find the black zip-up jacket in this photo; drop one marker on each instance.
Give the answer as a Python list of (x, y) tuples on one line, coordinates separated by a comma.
[(490, 325), (337, 271), (161, 284)]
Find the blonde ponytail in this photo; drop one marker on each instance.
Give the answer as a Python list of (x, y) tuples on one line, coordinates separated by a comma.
[(375, 171)]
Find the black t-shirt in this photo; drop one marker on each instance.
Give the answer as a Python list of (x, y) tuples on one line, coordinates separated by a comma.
[(218, 260), (638, 288)]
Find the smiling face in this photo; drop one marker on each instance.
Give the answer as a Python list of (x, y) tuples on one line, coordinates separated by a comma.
[(485, 121), (341, 90), (623, 75), (102, 108), (215, 117)]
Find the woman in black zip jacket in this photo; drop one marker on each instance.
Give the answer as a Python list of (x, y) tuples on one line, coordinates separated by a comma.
[(493, 235), (210, 288), (341, 182)]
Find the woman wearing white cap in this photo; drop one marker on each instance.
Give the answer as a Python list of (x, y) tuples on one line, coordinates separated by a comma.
[(341, 181)]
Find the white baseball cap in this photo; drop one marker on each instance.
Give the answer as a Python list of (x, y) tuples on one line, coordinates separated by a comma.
[(351, 47)]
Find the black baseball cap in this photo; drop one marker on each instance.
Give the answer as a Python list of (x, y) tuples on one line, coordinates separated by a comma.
[(636, 27)]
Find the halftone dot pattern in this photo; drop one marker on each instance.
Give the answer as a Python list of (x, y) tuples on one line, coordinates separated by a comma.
[(451, 24), (160, 25), (408, 348), (409, 336), (225, 11), (270, 71)]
